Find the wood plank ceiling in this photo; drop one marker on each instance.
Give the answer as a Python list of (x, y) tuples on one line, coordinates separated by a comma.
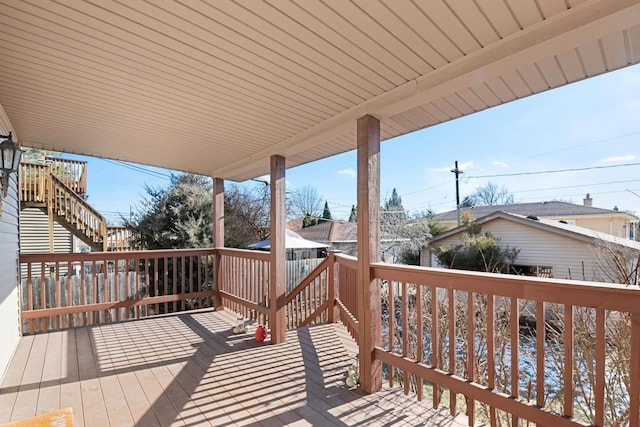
[(215, 86)]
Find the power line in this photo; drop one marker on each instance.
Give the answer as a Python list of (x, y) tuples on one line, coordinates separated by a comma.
[(139, 169), (553, 171)]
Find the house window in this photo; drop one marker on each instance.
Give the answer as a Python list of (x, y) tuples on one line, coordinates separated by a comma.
[(531, 270), (632, 230)]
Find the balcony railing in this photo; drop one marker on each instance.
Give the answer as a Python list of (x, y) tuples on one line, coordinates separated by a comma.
[(506, 350)]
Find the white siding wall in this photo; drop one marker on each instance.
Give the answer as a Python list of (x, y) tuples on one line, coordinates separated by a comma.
[(541, 248), (34, 233), (34, 236), (9, 298)]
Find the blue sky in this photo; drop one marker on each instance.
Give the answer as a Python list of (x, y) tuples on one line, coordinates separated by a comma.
[(592, 125)]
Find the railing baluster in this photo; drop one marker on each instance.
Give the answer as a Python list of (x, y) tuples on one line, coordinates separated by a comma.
[(116, 285), (470, 354), (435, 343), (540, 353), (405, 334), (491, 354), (600, 366), (515, 350), (165, 279), (30, 295), (568, 360), (451, 316), (70, 322), (634, 372), (106, 294), (43, 295), (420, 337), (94, 290), (58, 292), (392, 328)]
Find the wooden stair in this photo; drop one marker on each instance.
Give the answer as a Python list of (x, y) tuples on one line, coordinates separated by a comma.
[(59, 187)]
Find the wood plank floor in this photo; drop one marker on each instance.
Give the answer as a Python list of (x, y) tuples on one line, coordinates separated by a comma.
[(190, 370)]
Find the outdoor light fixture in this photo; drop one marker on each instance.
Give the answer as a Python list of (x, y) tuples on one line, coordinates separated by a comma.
[(10, 154)]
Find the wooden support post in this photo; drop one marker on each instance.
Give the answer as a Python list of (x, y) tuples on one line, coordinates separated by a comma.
[(50, 201), (218, 239), (368, 289), (332, 289), (277, 320)]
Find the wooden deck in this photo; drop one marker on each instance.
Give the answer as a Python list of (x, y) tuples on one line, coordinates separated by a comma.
[(189, 369)]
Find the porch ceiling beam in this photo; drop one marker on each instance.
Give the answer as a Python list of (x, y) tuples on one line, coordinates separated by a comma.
[(588, 19)]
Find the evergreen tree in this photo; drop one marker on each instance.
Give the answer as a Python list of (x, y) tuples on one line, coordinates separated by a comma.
[(393, 213), (180, 216), (326, 213), (353, 217)]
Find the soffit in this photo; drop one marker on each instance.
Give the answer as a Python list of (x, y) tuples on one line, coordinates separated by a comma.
[(217, 87)]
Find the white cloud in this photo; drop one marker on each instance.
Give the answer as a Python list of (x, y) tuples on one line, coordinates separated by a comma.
[(348, 172), (500, 164), (462, 166), (615, 159)]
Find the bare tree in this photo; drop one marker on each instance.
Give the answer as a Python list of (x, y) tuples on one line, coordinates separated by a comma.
[(305, 201), (490, 195)]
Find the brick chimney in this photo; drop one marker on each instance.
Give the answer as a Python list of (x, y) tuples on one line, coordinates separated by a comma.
[(587, 201)]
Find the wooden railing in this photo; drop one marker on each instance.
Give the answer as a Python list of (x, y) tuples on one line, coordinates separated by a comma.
[(78, 213), (33, 182), (67, 290), (73, 173), (119, 239), (504, 348), (310, 301), (243, 277), (345, 296)]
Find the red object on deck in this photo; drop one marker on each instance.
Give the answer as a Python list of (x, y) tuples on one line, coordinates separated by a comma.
[(261, 333)]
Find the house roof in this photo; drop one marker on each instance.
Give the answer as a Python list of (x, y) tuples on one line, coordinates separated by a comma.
[(553, 226), (292, 240), (539, 209), (217, 88), (331, 231)]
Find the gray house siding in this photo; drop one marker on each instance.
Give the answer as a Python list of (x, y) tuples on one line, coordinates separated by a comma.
[(569, 257), (9, 297)]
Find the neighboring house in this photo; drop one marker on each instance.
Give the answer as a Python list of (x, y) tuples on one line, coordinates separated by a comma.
[(338, 235), (343, 236), (547, 248), (616, 223)]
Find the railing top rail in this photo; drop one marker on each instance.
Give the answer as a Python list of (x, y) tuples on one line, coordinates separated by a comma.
[(608, 296), (101, 256), (346, 260), (244, 253), (62, 160)]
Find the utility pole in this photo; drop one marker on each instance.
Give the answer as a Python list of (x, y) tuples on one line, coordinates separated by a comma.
[(457, 172)]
